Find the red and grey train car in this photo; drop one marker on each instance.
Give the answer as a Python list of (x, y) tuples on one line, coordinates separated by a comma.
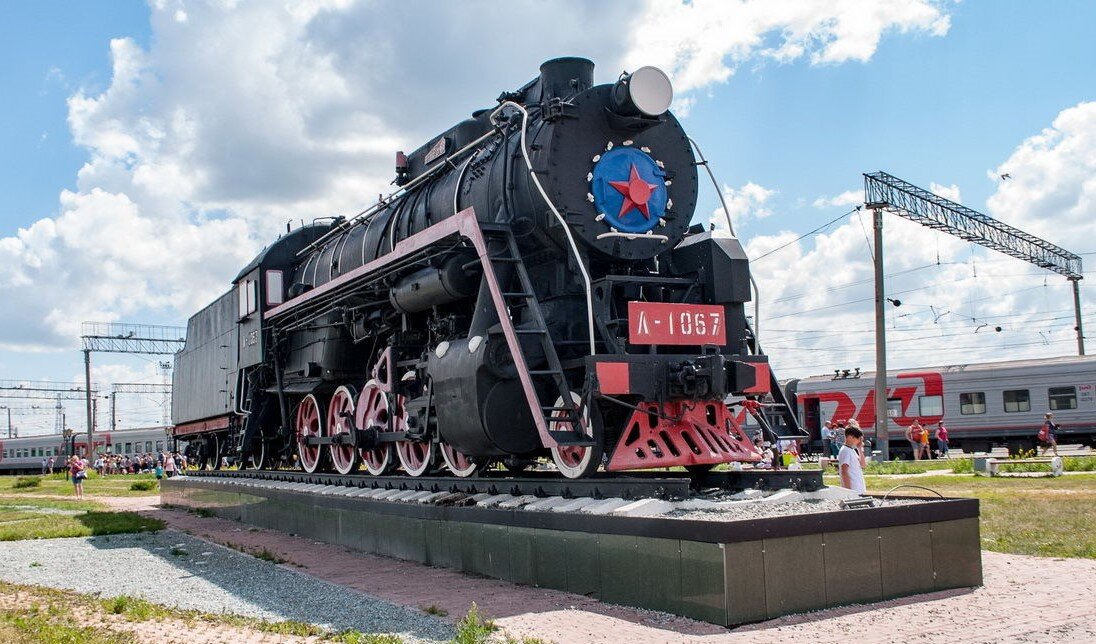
[(983, 405), (25, 455), (534, 290)]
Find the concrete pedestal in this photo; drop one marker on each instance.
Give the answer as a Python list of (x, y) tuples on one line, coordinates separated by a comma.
[(726, 573)]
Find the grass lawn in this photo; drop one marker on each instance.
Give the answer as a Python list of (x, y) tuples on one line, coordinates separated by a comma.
[(54, 616), (1050, 517), (53, 484), (27, 517)]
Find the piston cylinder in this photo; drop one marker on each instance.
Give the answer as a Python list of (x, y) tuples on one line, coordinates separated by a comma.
[(432, 286)]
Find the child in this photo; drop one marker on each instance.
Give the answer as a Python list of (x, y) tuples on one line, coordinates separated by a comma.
[(850, 461), (1048, 435)]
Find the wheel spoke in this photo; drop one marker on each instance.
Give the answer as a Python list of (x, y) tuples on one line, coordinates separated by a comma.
[(344, 457), (372, 412), (309, 423)]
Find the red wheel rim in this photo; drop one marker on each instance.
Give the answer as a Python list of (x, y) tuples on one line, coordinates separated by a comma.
[(571, 456), (343, 457), (309, 423), (372, 411), (458, 463)]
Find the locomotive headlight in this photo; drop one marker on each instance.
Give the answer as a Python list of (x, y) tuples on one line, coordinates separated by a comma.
[(646, 91)]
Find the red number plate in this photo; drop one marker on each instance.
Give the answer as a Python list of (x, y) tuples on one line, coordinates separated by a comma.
[(661, 323)]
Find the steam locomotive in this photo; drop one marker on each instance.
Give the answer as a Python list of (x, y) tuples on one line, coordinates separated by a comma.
[(533, 290)]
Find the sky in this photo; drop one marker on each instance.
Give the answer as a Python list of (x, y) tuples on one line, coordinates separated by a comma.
[(148, 151)]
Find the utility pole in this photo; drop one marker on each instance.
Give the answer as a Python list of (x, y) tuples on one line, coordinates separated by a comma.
[(87, 389), (9, 421), (882, 438), (1077, 314), (113, 411)]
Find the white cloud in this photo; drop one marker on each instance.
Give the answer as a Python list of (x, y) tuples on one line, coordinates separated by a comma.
[(704, 41), (242, 115), (742, 204), (1052, 189), (847, 198), (947, 192)]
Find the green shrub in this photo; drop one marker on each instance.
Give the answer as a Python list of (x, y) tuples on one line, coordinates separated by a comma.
[(473, 628), (143, 486), (963, 466), (24, 482), (1079, 464)]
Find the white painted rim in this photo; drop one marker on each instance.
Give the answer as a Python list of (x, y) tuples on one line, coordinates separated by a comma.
[(346, 467), (386, 460), (462, 473), (319, 450)]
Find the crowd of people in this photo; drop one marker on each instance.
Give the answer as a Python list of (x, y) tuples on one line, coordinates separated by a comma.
[(161, 464)]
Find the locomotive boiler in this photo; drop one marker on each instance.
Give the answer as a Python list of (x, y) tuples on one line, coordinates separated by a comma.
[(532, 292)]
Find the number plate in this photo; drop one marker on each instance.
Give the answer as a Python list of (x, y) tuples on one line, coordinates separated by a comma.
[(661, 323)]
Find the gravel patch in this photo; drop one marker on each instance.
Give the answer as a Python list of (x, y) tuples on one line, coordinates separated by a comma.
[(175, 569), (755, 510)]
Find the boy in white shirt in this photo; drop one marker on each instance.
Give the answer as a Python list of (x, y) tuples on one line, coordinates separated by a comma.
[(850, 461)]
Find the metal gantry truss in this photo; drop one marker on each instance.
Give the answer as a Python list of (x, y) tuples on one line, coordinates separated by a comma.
[(119, 337), (139, 388), (41, 390), (146, 388), (907, 200), (885, 192), (44, 390)]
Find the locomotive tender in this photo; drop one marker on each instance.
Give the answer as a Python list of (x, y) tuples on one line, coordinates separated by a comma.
[(533, 289)]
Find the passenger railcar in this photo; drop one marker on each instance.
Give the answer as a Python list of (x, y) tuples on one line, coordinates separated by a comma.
[(983, 405), (25, 455), (533, 290)]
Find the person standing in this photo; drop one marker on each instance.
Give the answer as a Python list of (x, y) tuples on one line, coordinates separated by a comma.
[(49, 465), (850, 461), (827, 438), (77, 472), (169, 465), (913, 435), (942, 440), (926, 448), (1048, 434)]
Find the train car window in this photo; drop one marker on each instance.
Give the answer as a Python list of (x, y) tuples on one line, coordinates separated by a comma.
[(159, 446), (1017, 400), (930, 405), (247, 296), (148, 447), (275, 288), (1062, 398)]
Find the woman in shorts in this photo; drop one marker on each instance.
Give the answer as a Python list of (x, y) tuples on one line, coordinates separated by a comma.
[(77, 473)]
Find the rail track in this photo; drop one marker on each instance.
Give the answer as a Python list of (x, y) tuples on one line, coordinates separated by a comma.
[(634, 485)]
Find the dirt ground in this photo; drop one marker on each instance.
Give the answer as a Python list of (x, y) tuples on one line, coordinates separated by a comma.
[(1024, 598)]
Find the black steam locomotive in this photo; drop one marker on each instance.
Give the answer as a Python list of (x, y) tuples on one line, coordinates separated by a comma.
[(533, 289)]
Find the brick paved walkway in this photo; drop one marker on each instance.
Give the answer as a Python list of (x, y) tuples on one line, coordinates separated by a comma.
[(1025, 599)]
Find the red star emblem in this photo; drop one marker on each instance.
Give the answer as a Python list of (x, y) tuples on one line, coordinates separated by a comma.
[(637, 193)]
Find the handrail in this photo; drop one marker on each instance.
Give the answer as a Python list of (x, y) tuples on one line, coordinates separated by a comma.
[(730, 227), (555, 211)]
